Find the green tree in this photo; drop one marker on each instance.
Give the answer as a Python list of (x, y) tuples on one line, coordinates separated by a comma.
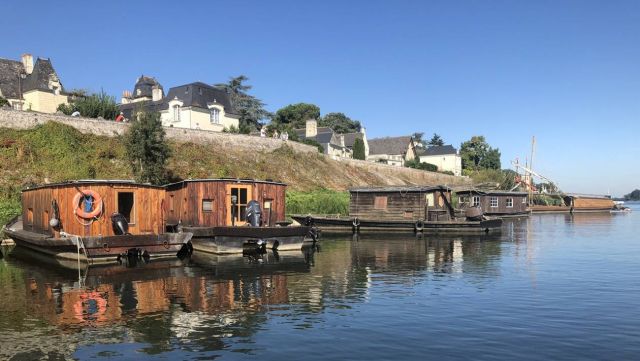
[(418, 138), (633, 196), (147, 149), (251, 109), (3, 102), (92, 106), (295, 115), (358, 149), (415, 163), (436, 140), (477, 154), (340, 123)]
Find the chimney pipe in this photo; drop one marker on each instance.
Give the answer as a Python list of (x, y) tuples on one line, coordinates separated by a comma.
[(27, 62)]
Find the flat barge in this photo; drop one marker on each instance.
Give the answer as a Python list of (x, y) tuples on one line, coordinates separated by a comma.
[(231, 215), (410, 209), (94, 222)]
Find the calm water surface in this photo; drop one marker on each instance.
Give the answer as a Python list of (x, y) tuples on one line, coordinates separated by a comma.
[(555, 287)]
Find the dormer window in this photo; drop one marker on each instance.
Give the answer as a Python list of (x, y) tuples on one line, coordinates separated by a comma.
[(215, 115), (176, 113)]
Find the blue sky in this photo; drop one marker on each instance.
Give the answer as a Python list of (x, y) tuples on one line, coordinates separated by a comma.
[(567, 72)]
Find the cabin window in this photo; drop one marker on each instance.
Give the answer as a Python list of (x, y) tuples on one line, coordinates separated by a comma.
[(267, 211), (524, 200), (408, 214), (380, 202), (462, 199), (171, 203), (215, 115), (430, 200), (509, 202), (207, 205), (126, 206), (30, 216), (494, 202), (476, 201)]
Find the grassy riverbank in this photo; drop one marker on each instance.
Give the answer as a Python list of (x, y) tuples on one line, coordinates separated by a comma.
[(321, 201)]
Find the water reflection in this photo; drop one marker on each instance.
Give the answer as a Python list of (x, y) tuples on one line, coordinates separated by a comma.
[(211, 304)]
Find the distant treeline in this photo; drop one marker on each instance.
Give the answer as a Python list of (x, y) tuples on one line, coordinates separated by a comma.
[(633, 196)]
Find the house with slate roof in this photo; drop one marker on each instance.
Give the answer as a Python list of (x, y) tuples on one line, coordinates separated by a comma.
[(29, 86), (392, 150), (445, 157), (334, 144), (194, 105)]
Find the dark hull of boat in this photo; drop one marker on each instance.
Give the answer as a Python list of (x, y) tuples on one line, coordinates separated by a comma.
[(565, 209), (230, 240), (97, 250), (364, 225)]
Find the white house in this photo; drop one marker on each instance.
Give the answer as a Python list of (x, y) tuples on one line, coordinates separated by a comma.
[(445, 157), (194, 105), (392, 150)]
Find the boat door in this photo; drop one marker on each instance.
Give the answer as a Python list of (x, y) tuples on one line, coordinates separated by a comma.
[(237, 199)]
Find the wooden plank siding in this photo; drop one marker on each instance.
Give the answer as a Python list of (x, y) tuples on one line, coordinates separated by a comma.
[(37, 210), (586, 203), (399, 205), (519, 202), (187, 198)]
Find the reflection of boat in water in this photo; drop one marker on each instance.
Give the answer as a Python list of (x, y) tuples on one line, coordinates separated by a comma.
[(234, 266)]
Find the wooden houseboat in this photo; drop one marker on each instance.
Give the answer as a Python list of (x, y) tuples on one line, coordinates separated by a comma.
[(94, 221), (495, 203), (416, 209), (571, 203), (215, 211)]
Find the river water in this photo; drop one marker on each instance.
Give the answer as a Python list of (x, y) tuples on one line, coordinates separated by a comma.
[(551, 287)]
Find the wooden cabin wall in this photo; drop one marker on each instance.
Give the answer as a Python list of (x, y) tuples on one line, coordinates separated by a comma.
[(400, 206), (485, 203), (147, 215), (592, 203), (187, 202), (518, 206)]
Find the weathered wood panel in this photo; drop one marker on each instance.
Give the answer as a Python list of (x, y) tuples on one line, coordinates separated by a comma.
[(519, 204), (399, 205), (146, 217), (585, 203), (187, 200)]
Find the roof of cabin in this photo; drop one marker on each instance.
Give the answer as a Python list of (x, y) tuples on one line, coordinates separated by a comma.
[(403, 189), (437, 150), (491, 192), (389, 145), (91, 182), (228, 180)]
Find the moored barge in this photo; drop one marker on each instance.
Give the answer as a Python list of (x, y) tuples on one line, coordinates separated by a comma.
[(94, 222), (233, 215), (392, 209)]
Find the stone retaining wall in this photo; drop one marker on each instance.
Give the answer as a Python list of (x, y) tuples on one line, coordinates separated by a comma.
[(396, 175)]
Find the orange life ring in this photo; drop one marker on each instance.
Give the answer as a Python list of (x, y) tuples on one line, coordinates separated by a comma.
[(97, 204), (90, 304)]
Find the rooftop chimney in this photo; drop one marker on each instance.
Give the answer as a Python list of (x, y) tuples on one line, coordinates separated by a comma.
[(311, 129), (27, 62), (156, 93)]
